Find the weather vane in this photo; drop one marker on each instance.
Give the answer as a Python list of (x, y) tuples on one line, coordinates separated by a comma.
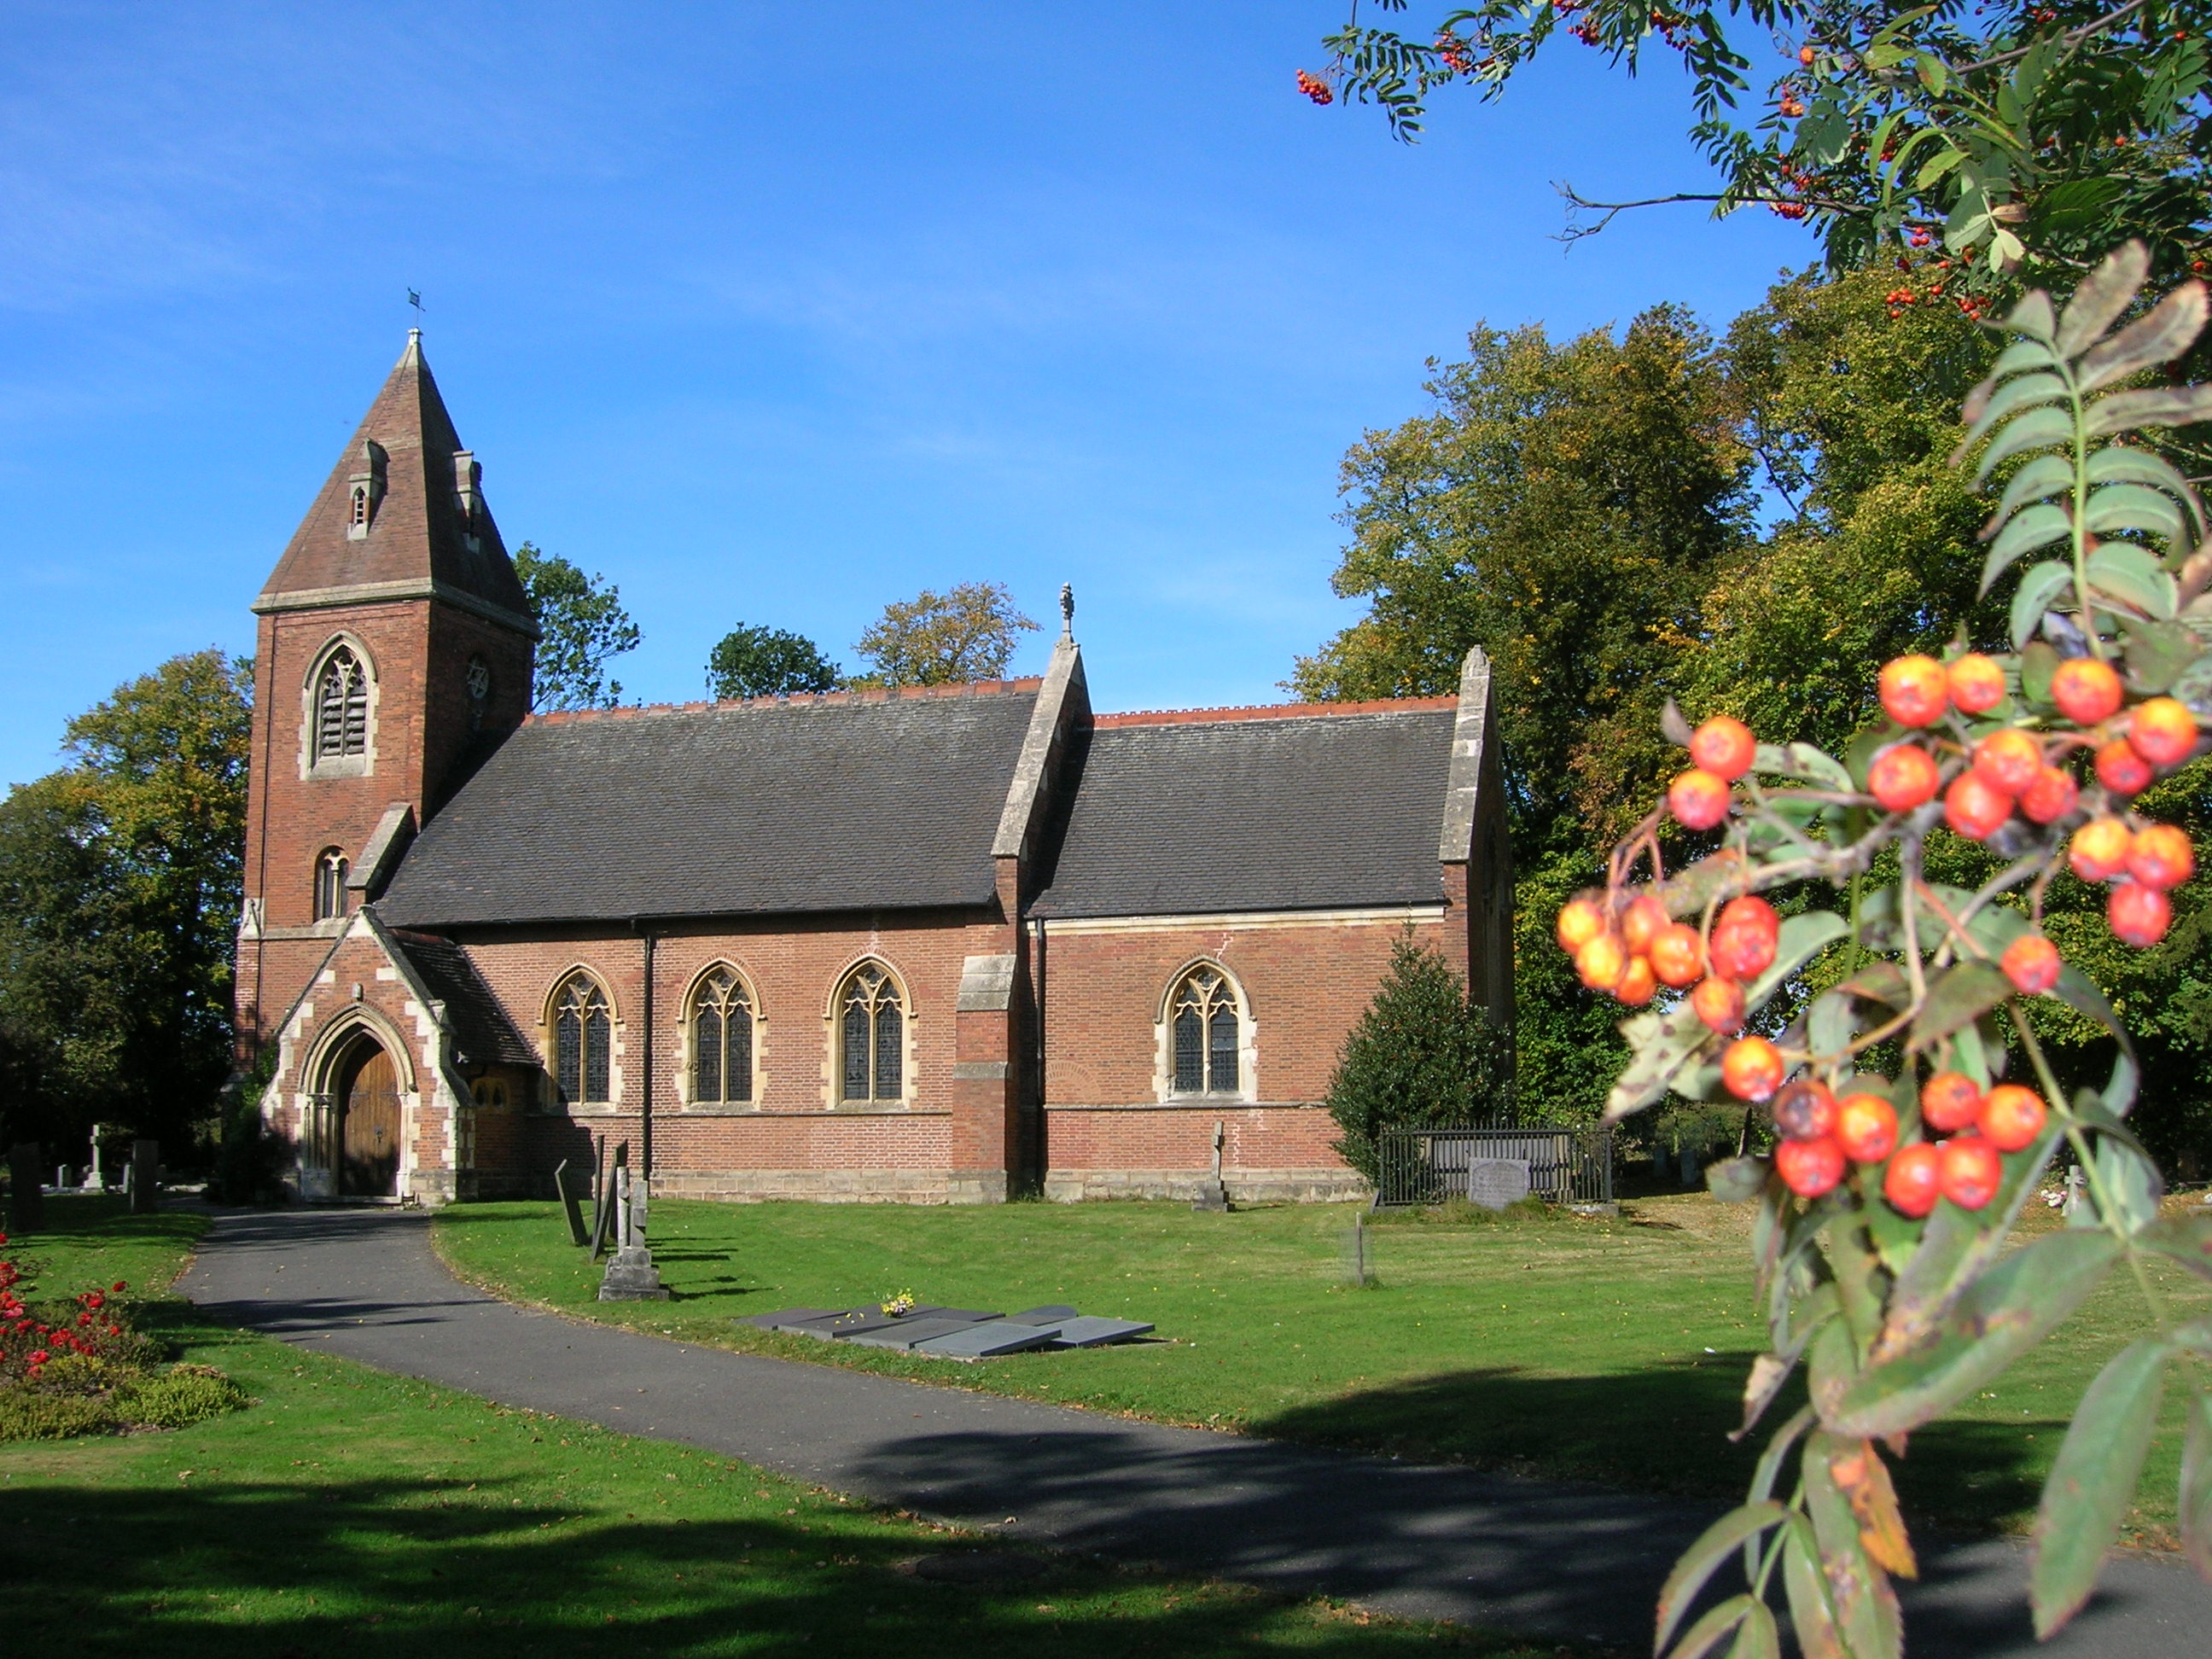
[(414, 299)]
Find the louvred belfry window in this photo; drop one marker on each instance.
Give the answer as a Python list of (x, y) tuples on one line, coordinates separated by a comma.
[(874, 1033), (342, 706), (1206, 1035), (582, 1037), (722, 1041)]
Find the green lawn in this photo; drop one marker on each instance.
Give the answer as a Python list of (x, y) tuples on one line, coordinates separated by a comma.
[(347, 1511), (1608, 1351)]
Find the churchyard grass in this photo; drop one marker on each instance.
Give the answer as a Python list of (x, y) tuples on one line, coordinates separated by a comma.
[(349, 1511), (1611, 1351)]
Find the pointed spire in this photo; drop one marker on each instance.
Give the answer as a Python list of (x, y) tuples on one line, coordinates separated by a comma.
[(401, 515)]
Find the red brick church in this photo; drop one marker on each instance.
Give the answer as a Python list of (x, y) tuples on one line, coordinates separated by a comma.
[(929, 945)]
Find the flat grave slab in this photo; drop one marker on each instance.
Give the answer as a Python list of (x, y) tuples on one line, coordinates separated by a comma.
[(857, 1322), (965, 1333), (1095, 1332), (788, 1319), (1051, 1314), (909, 1331), (986, 1342)]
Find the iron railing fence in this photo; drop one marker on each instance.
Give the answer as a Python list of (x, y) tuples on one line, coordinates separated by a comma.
[(1428, 1166)]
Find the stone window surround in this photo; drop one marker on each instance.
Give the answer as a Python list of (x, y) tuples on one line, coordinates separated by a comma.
[(1164, 1092), (686, 1028), (362, 765)]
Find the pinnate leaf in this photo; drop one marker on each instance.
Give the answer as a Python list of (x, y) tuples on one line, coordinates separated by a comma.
[(2046, 475), (1702, 1637), (2037, 527), (2123, 411), (1959, 994), (2125, 464), (2158, 338), (1702, 1558), (2025, 392), (2033, 317), (2087, 1492), (2034, 429), (2123, 571), (2102, 298), (1810, 1615), (2118, 507), (2040, 585)]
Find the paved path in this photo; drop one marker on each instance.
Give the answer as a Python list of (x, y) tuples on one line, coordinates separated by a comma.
[(1423, 1542)]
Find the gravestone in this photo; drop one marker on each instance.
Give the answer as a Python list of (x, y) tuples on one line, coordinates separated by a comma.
[(1215, 1195), (984, 1341), (27, 1204), (1096, 1333), (604, 1222), (145, 1176), (912, 1333), (571, 1206), (93, 1181), (1495, 1183), (631, 1276)]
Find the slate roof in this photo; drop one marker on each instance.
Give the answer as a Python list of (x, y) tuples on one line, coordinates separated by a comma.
[(418, 535), (481, 1031), (1298, 811), (843, 803)]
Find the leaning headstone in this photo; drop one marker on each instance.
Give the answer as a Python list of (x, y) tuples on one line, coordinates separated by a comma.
[(573, 1207), (631, 1276), (145, 1176), (604, 1223), (1495, 1183), (27, 1204)]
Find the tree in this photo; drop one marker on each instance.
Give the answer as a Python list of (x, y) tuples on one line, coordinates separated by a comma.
[(932, 639), (1420, 1057), (119, 892), (583, 624), (2016, 134), (768, 662)]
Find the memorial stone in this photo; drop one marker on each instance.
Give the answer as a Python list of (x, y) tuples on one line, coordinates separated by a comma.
[(984, 1341), (1095, 1332), (631, 1276), (571, 1205), (1495, 1183)]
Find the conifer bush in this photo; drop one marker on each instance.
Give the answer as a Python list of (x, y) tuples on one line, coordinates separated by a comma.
[(1420, 1057)]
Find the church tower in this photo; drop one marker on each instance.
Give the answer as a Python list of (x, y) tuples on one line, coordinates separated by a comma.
[(393, 652)]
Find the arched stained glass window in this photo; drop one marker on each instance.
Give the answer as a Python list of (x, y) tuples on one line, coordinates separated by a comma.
[(872, 1024), (1207, 1035), (721, 1040), (330, 885), (583, 1035), (342, 706)]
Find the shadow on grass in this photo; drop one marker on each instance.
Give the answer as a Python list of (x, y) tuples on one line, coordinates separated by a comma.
[(1663, 1428), (226, 1569), (83, 1219)]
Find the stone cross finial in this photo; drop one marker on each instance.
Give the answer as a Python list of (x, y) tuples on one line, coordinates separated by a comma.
[(1067, 611)]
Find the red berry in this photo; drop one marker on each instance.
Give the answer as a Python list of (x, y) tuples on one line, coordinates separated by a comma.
[(1640, 923), (1810, 1168), (2032, 963), (1724, 747), (2160, 856), (1698, 799), (2121, 769), (1678, 954), (1974, 808), (1744, 937), (1914, 690), (1751, 1068), (1581, 920), (1719, 1003), (1805, 1110), (2011, 1117), (2086, 691), (2100, 850), (2008, 761), (2139, 915), (1949, 1101), (1976, 683), (1602, 962), (2163, 731), (1903, 777), (1866, 1128), (1638, 984), (1971, 1170), (2052, 795)]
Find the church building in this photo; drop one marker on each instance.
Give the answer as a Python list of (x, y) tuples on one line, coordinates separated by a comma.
[(941, 944)]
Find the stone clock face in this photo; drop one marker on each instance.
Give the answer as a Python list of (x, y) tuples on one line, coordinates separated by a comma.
[(479, 680)]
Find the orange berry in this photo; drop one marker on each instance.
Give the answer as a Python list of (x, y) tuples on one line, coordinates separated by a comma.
[(1914, 1179), (1914, 690), (1581, 920), (1970, 1170), (2139, 915), (1974, 807), (1976, 683), (2121, 769), (2086, 691), (1751, 1068), (1724, 747), (1866, 1128), (2009, 760), (2032, 963), (1804, 1110), (1719, 1003), (1744, 936), (1678, 954), (1903, 777), (1810, 1168), (1949, 1101), (2100, 850), (2160, 856), (1637, 985), (1602, 962), (1698, 799), (1640, 923), (2011, 1117), (2163, 731), (2052, 795), (1805, 55)]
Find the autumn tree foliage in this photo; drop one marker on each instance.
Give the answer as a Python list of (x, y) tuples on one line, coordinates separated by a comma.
[(967, 632)]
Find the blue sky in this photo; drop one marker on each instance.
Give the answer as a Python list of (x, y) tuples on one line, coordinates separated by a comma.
[(771, 314)]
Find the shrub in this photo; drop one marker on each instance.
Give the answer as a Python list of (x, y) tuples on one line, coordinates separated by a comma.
[(187, 1394)]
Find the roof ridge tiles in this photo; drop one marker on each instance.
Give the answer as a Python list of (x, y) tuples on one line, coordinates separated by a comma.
[(869, 694), (1280, 711)]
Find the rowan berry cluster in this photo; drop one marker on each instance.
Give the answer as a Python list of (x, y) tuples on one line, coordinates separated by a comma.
[(1822, 1137), (1317, 88)]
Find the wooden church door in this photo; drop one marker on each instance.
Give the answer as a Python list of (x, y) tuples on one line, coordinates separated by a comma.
[(370, 1165)]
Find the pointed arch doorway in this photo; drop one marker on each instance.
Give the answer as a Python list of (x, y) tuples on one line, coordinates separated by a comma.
[(367, 1101)]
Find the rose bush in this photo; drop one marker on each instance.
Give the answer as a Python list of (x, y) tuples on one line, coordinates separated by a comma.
[(1914, 1108)]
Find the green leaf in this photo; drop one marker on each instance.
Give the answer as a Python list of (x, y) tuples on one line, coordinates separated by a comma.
[(2039, 661), (1703, 1637), (1660, 1047), (2020, 355), (1866, 1607), (2046, 475), (1803, 763), (2126, 464), (1824, 135), (1958, 996), (1736, 1179), (1758, 1638), (2038, 527), (2087, 1492), (1810, 1616), (2158, 338), (2133, 575), (2026, 393), (2157, 652), (2035, 429), (2133, 1181), (2195, 1505), (2114, 508), (2103, 297), (1996, 1318), (2040, 584), (1802, 938), (2033, 317), (2124, 411), (2184, 1239), (1702, 1558)]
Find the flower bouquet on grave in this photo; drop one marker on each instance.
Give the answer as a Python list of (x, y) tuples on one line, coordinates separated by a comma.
[(897, 1303)]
